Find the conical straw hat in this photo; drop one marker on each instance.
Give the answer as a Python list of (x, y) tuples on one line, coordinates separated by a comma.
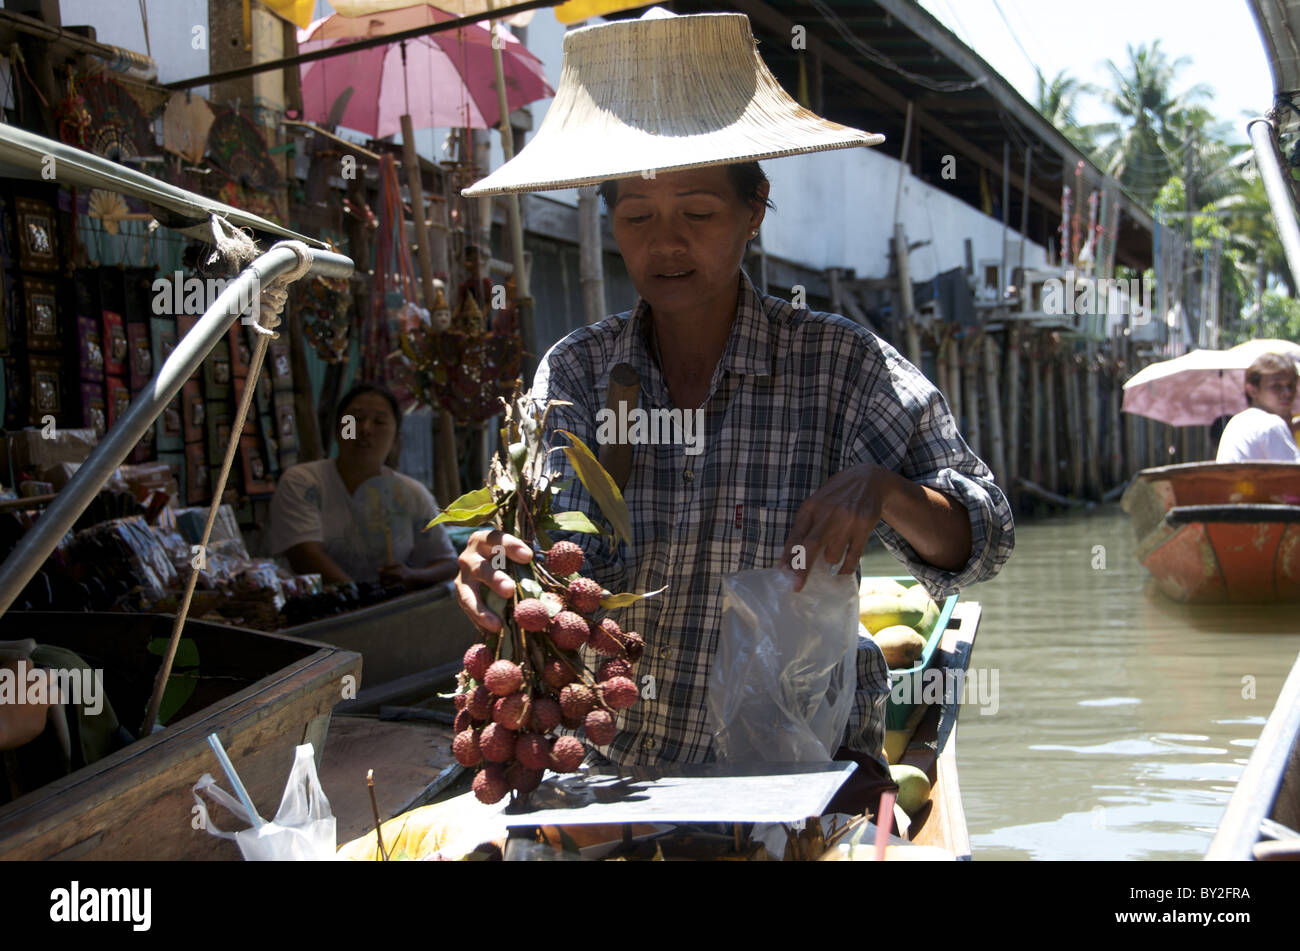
[(662, 94)]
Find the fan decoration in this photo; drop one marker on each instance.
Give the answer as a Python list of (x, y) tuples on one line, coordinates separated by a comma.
[(238, 152), (101, 116), (466, 372), (186, 122)]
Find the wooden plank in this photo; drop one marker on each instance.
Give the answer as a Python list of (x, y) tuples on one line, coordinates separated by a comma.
[(1052, 462), (1012, 404)]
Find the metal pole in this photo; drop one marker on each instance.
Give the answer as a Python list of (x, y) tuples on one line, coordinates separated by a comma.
[(1261, 133), (34, 547)]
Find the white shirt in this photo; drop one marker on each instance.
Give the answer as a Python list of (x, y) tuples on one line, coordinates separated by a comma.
[(1257, 435), (312, 504)]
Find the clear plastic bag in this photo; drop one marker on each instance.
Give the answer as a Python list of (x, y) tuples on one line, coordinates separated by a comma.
[(303, 829), (782, 681)]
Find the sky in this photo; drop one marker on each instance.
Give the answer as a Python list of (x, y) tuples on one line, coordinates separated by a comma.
[(1219, 37)]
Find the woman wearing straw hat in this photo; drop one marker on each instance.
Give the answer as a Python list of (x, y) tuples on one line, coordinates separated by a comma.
[(814, 431)]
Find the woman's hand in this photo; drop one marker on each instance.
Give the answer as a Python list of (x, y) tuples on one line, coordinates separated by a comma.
[(481, 565), (836, 521), (414, 578)]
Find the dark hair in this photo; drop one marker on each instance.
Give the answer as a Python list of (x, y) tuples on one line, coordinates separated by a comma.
[(361, 389), (1267, 364), (745, 179)]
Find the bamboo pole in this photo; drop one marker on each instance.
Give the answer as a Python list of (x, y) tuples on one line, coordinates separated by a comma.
[(942, 370), (911, 335), (446, 467), (1078, 431), (1013, 405), (997, 447), (1117, 473), (1051, 462)]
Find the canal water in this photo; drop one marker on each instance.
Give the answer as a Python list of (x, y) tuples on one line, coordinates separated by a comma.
[(1122, 719)]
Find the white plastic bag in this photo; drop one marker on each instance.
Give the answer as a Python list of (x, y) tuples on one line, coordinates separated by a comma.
[(303, 829), (782, 681)]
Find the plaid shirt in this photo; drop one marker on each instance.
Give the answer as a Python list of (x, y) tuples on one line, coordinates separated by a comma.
[(797, 397)]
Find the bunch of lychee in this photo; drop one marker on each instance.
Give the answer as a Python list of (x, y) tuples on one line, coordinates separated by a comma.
[(508, 710)]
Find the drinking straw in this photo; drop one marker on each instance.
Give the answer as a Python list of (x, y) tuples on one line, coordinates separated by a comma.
[(884, 819), (235, 784)]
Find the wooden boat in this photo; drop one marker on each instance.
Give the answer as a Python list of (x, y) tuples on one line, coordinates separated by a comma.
[(263, 694), (1211, 532), (1262, 820), (929, 742), (409, 644)]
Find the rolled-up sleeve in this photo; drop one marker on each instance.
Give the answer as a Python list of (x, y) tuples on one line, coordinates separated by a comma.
[(560, 378), (903, 408)]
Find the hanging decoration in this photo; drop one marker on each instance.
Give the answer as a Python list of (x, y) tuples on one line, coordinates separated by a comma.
[(239, 153), (324, 308)]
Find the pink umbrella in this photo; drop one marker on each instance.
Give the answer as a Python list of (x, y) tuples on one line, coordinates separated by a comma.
[(1198, 387), (443, 79)]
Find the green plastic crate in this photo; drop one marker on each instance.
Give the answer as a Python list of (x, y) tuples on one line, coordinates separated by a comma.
[(907, 682)]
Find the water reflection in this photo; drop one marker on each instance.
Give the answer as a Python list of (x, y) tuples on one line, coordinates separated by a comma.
[(1124, 719)]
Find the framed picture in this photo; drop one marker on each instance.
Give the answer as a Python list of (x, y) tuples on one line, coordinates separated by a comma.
[(42, 314), (116, 349), (46, 382), (193, 411), (90, 350), (117, 397), (141, 353), (37, 247), (172, 427), (197, 487), (94, 415), (257, 475)]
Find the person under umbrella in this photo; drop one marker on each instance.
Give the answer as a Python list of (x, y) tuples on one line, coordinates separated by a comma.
[(1262, 431)]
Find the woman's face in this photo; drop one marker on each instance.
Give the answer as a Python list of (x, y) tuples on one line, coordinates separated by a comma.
[(375, 428), (691, 224)]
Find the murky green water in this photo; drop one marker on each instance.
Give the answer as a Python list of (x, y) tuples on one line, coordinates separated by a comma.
[(1123, 720)]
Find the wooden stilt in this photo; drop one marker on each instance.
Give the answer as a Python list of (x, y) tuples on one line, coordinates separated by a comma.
[(1117, 472), (1076, 437), (1051, 462), (1035, 373), (1013, 405), (971, 398), (997, 448), (1090, 380), (954, 381)]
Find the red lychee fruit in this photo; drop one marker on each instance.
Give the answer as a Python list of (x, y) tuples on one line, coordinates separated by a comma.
[(557, 674), (463, 721), (614, 668), (634, 645), (583, 595), (568, 630), (534, 751), (600, 727), (496, 743), (546, 715), (532, 615), (503, 678), (567, 754), (571, 723), (465, 748), (477, 659), (618, 692), (576, 700), (606, 639), (460, 700), (480, 703), (511, 711), (564, 559), (490, 784), (522, 779)]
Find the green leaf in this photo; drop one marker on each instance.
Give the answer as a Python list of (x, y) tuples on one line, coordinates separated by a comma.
[(601, 485), (572, 522), (184, 677), (623, 600), (530, 588), (472, 508)]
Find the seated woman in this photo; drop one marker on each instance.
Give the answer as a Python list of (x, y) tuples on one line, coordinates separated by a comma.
[(352, 518)]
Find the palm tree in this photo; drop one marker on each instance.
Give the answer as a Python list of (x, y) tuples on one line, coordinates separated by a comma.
[(1144, 144), (1057, 101)]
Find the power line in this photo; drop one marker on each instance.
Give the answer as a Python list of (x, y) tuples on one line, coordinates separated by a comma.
[(1012, 30)]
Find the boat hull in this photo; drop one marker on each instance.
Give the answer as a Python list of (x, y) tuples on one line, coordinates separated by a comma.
[(1213, 533), (263, 694)]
